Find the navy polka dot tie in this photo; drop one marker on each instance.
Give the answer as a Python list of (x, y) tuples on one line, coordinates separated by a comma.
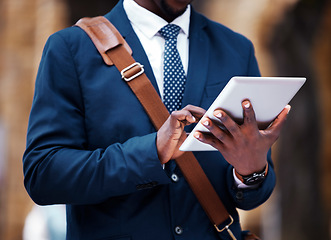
[(174, 75)]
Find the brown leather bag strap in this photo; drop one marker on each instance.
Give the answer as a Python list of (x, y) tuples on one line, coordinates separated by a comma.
[(114, 50)]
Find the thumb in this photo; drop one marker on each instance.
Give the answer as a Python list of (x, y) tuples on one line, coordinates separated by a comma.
[(278, 123)]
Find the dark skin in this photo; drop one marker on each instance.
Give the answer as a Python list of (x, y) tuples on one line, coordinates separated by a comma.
[(243, 146), (166, 9)]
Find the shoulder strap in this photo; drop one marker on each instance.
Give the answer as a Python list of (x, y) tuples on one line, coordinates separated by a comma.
[(115, 50)]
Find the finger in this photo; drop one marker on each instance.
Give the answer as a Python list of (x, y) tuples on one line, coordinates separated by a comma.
[(209, 139), (197, 112), (276, 126), (183, 116), (230, 125), (249, 114), (220, 134)]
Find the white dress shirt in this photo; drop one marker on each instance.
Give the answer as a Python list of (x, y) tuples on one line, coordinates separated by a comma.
[(147, 29)]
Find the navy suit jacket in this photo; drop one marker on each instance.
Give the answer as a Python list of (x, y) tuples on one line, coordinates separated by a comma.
[(91, 145)]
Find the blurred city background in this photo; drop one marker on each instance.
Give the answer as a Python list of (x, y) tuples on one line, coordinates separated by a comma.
[(291, 38)]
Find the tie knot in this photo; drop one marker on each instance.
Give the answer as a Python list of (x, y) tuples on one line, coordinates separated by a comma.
[(170, 31)]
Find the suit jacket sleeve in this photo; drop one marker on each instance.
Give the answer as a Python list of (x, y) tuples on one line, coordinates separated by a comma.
[(58, 166), (250, 198)]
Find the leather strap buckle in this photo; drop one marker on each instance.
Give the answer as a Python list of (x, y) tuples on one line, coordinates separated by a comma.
[(227, 228), (132, 71)]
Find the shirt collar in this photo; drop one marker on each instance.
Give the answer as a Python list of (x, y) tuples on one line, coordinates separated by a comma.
[(151, 23)]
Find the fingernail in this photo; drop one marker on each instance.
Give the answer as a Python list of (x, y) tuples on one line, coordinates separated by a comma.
[(288, 107), (247, 105), (197, 135), (194, 119), (219, 115), (206, 123)]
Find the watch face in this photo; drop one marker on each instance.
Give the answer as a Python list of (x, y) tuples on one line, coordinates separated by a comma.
[(254, 179)]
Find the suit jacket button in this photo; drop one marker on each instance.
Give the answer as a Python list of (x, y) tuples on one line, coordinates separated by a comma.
[(178, 230), (239, 195), (174, 177)]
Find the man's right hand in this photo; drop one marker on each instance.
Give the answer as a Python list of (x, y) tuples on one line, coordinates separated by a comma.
[(171, 134)]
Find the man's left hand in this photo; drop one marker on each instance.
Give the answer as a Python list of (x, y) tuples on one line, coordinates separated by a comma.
[(244, 146)]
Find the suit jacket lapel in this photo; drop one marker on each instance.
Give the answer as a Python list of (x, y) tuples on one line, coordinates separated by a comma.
[(198, 61), (120, 20)]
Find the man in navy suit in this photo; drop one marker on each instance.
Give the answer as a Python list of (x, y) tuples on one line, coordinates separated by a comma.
[(91, 146)]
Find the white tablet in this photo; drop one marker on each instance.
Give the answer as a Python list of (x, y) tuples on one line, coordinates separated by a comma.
[(268, 95)]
